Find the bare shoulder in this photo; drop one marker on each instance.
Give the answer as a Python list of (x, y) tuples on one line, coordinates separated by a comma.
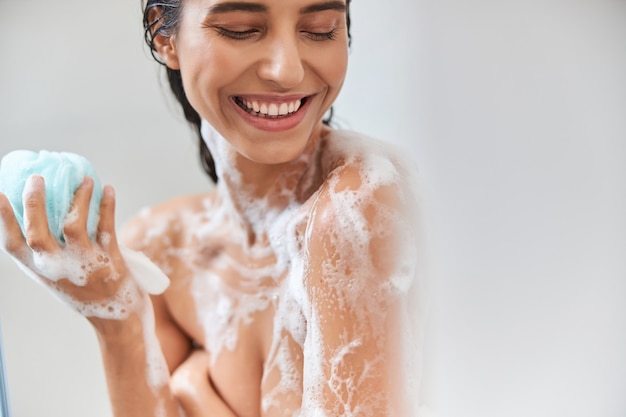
[(154, 230), (367, 164), (362, 221), (365, 174)]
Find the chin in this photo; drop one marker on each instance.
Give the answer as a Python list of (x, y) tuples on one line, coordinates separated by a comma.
[(275, 148), (276, 153)]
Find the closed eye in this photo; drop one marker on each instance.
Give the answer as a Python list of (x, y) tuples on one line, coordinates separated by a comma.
[(235, 34), (322, 36)]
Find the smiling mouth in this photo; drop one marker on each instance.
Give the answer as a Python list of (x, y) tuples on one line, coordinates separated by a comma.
[(270, 110)]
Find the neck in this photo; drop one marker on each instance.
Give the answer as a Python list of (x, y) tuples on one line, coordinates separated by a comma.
[(259, 193)]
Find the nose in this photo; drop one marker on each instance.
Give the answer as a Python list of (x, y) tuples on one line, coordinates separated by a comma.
[(282, 62)]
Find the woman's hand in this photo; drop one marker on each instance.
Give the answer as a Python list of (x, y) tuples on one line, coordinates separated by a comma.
[(191, 386), (89, 276)]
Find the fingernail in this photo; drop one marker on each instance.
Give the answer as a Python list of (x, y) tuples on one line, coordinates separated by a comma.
[(33, 183), (87, 181), (35, 178), (108, 191)]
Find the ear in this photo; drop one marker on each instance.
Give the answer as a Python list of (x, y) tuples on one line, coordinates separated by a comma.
[(165, 45), (166, 48)]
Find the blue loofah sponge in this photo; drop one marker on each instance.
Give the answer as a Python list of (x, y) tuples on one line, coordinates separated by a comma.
[(63, 172)]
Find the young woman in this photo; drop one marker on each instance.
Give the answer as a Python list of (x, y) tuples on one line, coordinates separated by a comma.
[(291, 280)]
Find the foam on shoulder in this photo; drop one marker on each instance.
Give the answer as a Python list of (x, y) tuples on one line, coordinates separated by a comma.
[(360, 216)]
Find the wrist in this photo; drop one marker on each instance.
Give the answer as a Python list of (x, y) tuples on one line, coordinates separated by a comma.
[(127, 330)]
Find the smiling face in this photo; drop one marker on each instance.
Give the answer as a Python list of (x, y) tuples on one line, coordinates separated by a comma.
[(264, 72)]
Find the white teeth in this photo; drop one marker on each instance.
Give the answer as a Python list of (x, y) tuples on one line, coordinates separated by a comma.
[(272, 109)]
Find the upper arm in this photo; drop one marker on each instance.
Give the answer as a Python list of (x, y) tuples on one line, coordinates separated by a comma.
[(137, 235), (357, 278)]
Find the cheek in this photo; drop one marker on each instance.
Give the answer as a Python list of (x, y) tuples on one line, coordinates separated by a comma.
[(332, 63), (338, 68), (332, 67), (205, 74)]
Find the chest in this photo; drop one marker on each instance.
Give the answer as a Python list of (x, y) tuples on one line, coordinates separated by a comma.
[(243, 310)]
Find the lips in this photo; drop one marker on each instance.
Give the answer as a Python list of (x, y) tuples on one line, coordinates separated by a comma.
[(271, 113), (270, 109)]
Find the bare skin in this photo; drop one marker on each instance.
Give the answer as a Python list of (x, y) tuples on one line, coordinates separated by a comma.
[(237, 382), (242, 377), (285, 297)]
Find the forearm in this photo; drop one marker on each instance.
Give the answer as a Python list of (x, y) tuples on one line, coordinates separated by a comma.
[(135, 368)]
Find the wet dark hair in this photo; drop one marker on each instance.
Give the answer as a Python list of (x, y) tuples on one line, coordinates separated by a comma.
[(162, 17)]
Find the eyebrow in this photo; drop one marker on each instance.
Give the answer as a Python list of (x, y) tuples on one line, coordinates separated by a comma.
[(239, 6), (320, 7), (235, 6)]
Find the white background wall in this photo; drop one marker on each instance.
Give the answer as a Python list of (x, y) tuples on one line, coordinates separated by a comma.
[(516, 116)]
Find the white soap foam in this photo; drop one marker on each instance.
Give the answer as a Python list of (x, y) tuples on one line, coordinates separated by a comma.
[(223, 306), (118, 307), (157, 372), (276, 279), (48, 268), (160, 410), (222, 309), (72, 216), (68, 264), (181, 382), (105, 239)]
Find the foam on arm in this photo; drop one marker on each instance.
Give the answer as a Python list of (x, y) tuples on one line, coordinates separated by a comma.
[(359, 272)]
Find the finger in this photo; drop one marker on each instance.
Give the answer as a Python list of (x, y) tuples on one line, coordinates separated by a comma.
[(192, 387), (75, 223), (194, 371), (106, 226), (106, 236), (11, 237), (36, 228)]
